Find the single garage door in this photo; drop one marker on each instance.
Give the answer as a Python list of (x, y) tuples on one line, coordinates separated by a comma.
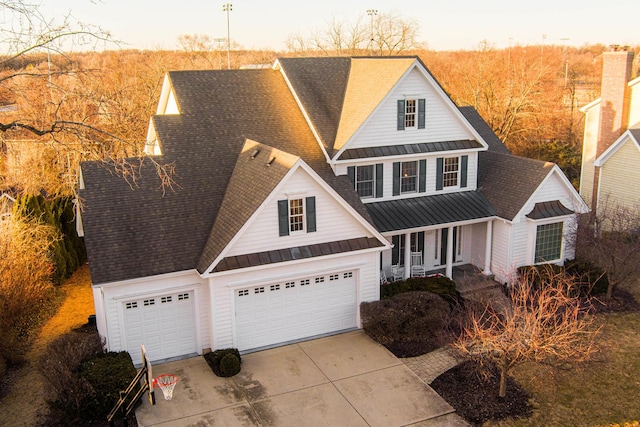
[(163, 323), (292, 310)]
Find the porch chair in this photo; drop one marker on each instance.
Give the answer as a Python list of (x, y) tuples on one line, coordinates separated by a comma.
[(397, 272), (383, 277), (417, 267)]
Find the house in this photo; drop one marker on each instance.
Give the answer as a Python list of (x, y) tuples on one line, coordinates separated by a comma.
[(299, 186), (611, 145), (6, 205)]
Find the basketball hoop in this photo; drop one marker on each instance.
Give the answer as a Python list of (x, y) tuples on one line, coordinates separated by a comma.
[(166, 382)]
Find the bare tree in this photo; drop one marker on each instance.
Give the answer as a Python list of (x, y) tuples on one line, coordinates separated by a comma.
[(48, 102), (544, 323), (389, 33), (610, 238)]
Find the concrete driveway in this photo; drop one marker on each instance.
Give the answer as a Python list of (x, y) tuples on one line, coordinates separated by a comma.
[(341, 380)]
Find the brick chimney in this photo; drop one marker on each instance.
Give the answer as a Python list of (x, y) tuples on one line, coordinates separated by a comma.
[(614, 96)]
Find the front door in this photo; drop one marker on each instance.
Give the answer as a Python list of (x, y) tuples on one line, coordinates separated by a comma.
[(444, 238)]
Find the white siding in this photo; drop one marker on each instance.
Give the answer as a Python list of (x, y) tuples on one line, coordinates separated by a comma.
[(620, 176), (115, 294), (364, 265), (333, 222), (554, 188), (472, 176), (500, 257), (441, 122), (476, 234)]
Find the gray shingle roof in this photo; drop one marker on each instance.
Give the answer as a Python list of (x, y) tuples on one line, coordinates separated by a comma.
[(402, 214), (508, 181), (484, 130), (139, 231)]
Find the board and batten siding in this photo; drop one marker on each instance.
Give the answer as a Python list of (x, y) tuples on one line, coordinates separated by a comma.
[(333, 222), (114, 295), (619, 178), (224, 285), (441, 123), (431, 172)]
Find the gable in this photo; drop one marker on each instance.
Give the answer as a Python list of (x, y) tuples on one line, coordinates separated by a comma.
[(628, 139), (370, 81), (554, 188), (334, 222), (620, 174)]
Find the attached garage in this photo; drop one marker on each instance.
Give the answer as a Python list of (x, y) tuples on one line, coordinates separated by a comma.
[(163, 323), (275, 313)]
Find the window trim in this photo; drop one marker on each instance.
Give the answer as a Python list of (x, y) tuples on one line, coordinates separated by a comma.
[(451, 175), (293, 217), (416, 166), (548, 222), (372, 181)]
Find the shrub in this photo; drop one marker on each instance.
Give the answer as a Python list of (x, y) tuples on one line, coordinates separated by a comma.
[(107, 374), (590, 280), (440, 285), (229, 365), (408, 324), (68, 391), (214, 360)]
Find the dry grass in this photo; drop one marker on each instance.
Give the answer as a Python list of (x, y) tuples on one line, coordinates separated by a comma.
[(26, 401), (602, 392)]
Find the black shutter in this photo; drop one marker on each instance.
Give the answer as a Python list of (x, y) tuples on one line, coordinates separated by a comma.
[(401, 114), (395, 251), (396, 178), (310, 205), (439, 174), (283, 217), (420, 245), (464, 163), (422, 176), (379, 179), (351, 173), (421, 111)]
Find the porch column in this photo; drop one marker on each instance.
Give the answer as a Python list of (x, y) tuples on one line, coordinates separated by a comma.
[(407, 255), (449, 267), (487, 248)]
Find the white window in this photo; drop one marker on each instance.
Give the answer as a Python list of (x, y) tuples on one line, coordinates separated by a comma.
[(451, 171), (365, 181), (408, 177), (410, 108), (548, 242), (296, 215)]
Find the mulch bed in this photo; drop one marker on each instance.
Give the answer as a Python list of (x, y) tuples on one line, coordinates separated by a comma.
[(475, 397), (621, 301)]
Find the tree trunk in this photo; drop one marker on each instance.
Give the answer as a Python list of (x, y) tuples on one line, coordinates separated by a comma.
[(612, 285), (503, 381)]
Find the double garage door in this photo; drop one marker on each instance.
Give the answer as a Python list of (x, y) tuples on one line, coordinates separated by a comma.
[(275, 313), (265, 315), (163, 323)]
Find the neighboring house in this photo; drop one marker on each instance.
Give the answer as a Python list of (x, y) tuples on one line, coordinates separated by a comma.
[(611, 147), (298, 186), (6, 205)]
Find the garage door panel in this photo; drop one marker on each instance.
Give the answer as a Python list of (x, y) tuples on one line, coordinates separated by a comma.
[(164, 324), (270, 314)]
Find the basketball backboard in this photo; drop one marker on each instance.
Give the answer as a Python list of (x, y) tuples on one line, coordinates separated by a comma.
[(146, 366)]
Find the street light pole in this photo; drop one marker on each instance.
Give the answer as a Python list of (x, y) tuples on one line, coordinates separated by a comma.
[(371, 13), (227, 7)]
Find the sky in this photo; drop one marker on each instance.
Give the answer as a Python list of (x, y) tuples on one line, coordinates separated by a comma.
[(444, 25)]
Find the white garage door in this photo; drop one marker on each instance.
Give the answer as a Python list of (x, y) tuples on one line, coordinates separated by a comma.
[(163, 323), (292, 310)]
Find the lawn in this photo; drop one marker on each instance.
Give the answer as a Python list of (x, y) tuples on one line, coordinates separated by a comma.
[(604, 391)]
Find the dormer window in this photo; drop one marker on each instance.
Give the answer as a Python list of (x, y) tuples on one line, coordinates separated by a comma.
[(411, 113)]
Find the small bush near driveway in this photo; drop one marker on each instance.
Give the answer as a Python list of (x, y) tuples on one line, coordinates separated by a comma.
[(224, 362), (440, 285), (408, 324)]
